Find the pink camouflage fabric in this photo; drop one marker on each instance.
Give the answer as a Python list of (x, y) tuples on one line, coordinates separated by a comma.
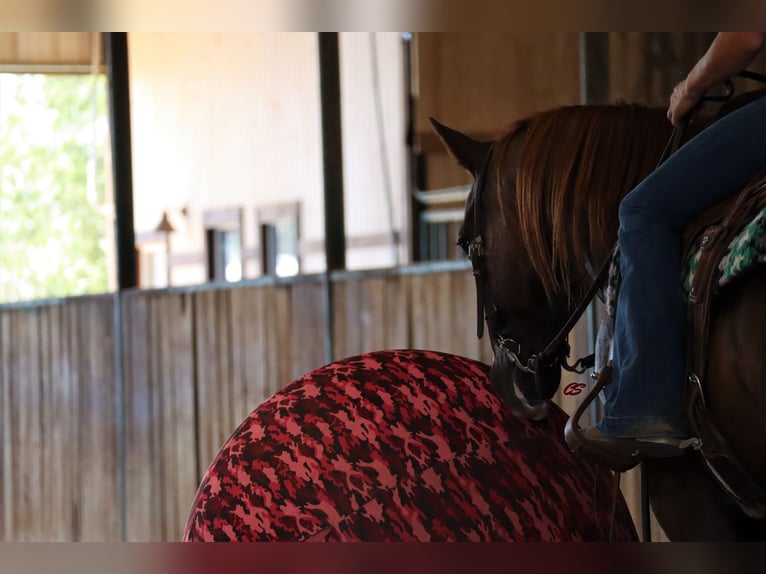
[(401, 446)]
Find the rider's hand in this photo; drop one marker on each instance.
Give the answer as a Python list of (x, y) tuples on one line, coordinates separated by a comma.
[(682, 101)]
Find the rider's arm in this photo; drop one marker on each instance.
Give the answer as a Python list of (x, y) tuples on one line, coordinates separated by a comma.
[(729, 54)]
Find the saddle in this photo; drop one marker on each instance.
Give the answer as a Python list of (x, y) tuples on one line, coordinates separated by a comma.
[(712, 233)]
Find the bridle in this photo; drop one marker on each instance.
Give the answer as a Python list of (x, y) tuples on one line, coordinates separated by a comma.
[(557, 351)]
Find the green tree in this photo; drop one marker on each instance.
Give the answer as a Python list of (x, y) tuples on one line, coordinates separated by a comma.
[(53, 222)]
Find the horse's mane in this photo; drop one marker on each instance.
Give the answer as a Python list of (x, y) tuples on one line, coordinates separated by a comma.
[(576, 163)]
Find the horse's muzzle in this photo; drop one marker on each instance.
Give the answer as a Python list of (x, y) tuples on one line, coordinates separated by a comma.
[(504, 378)]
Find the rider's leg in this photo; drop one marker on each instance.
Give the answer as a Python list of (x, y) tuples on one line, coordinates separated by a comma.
[(650, 341)]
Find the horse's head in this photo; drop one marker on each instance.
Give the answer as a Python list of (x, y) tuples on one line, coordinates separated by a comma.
[(510, 295), (540, 219)]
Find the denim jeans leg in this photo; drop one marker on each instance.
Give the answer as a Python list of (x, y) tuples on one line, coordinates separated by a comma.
[(650, 325)]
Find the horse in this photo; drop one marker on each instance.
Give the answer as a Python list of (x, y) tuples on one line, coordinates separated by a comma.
[(542, 216), (401, 446)]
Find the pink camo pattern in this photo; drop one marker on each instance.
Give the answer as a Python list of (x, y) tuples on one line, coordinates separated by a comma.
[(400, 446)]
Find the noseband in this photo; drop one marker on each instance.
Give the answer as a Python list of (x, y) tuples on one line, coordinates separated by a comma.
[(557, 351)]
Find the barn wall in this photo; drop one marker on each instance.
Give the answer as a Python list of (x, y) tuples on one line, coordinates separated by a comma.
[(196, 362), (480, 82)]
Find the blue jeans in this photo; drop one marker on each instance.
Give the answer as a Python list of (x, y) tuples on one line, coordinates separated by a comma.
[(646, 397)]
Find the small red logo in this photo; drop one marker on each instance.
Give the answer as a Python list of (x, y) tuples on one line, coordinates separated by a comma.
[(574, 389)]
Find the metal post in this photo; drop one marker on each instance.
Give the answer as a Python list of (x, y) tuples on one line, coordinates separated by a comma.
[(116, 52), (594, 67), (594, 88), (116, 47), (332, 162), (332, 150)]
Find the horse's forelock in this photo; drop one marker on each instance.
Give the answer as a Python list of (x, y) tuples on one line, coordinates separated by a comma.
[(576, 164)]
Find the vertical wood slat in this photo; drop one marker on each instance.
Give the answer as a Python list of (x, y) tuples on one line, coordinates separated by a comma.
[(250, 360), (28, 442), (185, 479), (5, 441), (308, 326), (141, 458), (62, 444), (9, 431), (214, 353), (99, 496)]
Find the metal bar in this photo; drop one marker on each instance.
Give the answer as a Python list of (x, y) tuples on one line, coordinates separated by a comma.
[(409, 165), (116, 47), (594, 67), (441, 196), (332, 162), (116, 51), (594, 88), (332, 150), (646, 522)]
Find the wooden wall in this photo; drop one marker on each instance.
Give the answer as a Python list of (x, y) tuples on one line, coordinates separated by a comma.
[(196, 362), (46, 49), (58, 424), (479, 82)]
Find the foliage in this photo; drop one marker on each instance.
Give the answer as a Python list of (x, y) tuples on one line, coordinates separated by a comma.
[(53, 216)]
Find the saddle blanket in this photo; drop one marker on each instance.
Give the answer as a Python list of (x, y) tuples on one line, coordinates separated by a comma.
[(745, 251)]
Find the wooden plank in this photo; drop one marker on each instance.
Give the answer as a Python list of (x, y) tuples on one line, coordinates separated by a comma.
[(348, 309), (46, 468), (213, 392), (339, 318), (74, 325), (99, 502), (281, 329), (182, 483), (397, 309), (59, 424), (223, 321), (372, 314), (307, 328), (160, 337), (241, 318), (485, 80), (28, 443), (10, 422), (271, 342), (463, 315), (52, 48), (141, 469), (253, 338), (5, 441)]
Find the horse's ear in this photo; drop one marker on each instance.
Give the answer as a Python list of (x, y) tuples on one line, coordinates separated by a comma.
[(468, 152)]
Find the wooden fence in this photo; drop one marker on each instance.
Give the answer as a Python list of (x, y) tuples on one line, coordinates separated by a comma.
[(90, 451)]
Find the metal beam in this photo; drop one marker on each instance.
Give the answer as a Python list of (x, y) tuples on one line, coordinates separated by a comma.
[(332, 150), (594, 67), (116, 48)]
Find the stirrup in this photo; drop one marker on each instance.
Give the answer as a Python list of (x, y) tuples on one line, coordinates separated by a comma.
[(579, 444), (635, 449)]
